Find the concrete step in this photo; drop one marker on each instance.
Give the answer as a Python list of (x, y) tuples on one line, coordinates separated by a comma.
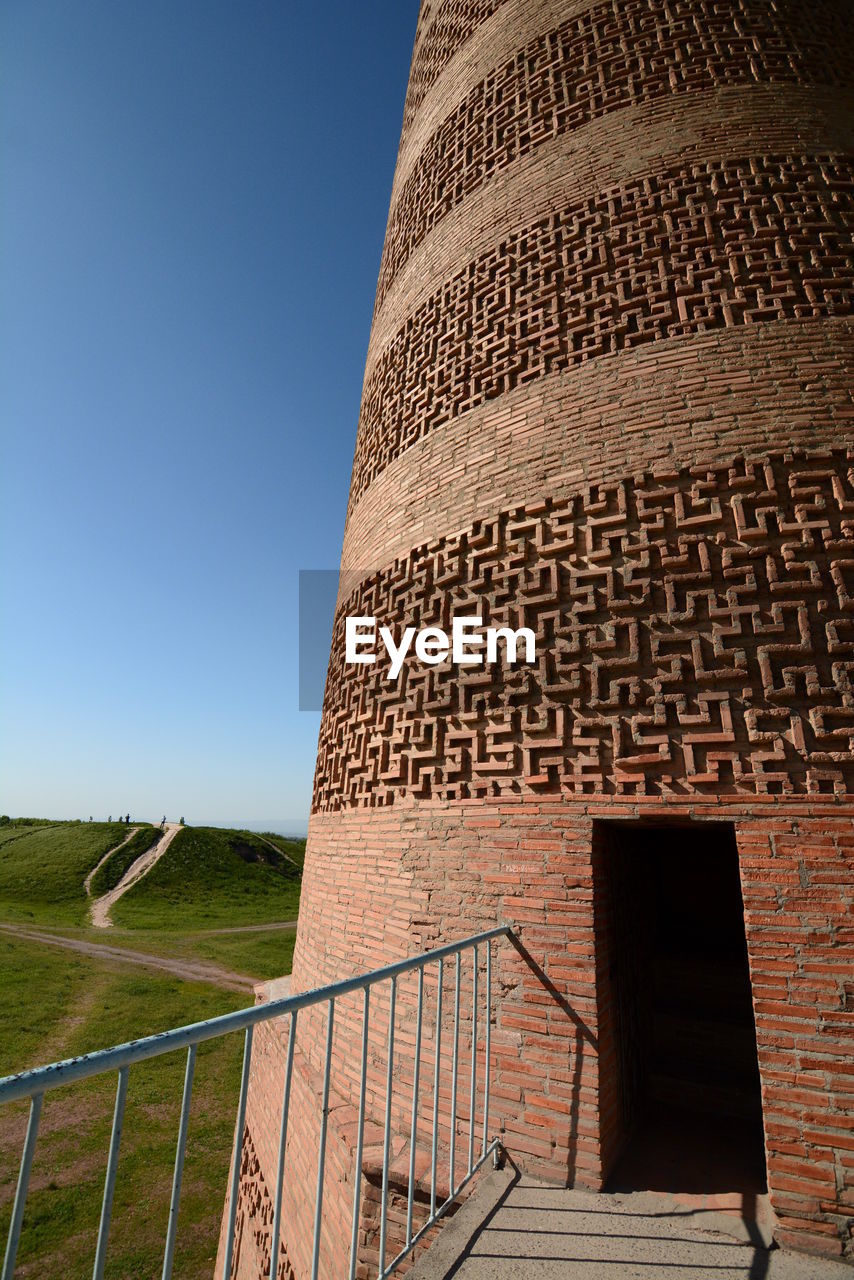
[(513, 1228)]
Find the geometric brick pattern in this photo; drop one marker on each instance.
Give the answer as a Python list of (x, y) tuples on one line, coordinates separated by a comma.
[(617, 54), (695, 633), (254, 1221), (578, 180), (706, 245), (454, 23)]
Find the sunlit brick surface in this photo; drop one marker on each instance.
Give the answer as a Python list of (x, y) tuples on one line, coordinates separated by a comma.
[(608, 396)]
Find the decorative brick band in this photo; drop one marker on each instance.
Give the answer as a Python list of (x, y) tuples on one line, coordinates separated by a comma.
[(702, 246), (695, 634), (762, 120), (450, 29), (618, 54), (682, 401)]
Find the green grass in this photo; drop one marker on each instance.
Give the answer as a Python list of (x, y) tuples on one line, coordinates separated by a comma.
[(84, 1004), (13, 828), (55, 1003), (292, 846), (114, 868), (258, 954), (42, 869), (263, 954), (209, 877)]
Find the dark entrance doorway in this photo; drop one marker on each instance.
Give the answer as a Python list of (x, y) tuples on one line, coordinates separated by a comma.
[(686, 1112)]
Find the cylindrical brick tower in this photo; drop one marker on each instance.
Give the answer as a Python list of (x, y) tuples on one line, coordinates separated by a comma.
[(608, 397)]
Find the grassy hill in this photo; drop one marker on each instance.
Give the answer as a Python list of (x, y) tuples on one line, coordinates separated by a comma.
[(42, 868), (210, 883), (194, 904), (210, 876), (85, 1004), (108, 876), (293, 849)]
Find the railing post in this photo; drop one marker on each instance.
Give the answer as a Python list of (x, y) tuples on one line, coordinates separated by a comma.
[(22, 1187), (275, 1244), (454, 1066), (357, 1177), (436, 1063), (110, 1180), (488, 1075), (321, 1155), (172, 1228), (473, 1086), (387, 1131), (238, 1155), (416, 1075)]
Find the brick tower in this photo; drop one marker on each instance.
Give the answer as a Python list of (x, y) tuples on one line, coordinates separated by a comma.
[(608, 397)]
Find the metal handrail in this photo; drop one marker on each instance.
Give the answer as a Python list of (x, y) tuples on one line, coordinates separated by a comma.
[(35, 1083)]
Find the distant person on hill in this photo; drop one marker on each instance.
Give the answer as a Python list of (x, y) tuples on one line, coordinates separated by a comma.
[(181, 821), (109, 817), (163, 823), (127, 820)]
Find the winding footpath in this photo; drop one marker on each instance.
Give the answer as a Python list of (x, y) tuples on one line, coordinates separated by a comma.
[(99, 912), (87, 883)]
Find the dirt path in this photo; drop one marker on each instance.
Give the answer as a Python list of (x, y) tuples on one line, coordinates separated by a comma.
[(87, 883), (287, 857), (99, 912), (189, 970)]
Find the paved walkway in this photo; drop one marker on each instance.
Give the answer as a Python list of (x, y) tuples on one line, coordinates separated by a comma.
[(512, 1228)]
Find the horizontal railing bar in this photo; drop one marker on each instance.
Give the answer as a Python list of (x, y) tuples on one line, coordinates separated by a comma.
[(27, 1083), (442, 1210)]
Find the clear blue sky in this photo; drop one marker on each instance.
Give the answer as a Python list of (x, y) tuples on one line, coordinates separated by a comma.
[(192, 211)]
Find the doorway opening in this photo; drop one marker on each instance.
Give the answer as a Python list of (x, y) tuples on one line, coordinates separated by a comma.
[(681, 1110)]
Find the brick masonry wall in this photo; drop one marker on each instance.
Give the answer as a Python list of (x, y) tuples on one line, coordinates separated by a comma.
[(609, 56), (747, 240), (608, 396), (420, 874), (694, 634)]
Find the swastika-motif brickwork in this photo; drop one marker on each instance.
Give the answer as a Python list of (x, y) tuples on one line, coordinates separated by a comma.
[(618, 278), (708, 245), (254, 1221), (695, 632), (452, 26), (616, 55)]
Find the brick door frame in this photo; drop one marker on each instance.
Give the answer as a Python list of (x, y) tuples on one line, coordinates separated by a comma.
[(614, 1136)]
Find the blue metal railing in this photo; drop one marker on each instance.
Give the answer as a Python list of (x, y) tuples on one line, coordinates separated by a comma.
[(34, 1084)]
